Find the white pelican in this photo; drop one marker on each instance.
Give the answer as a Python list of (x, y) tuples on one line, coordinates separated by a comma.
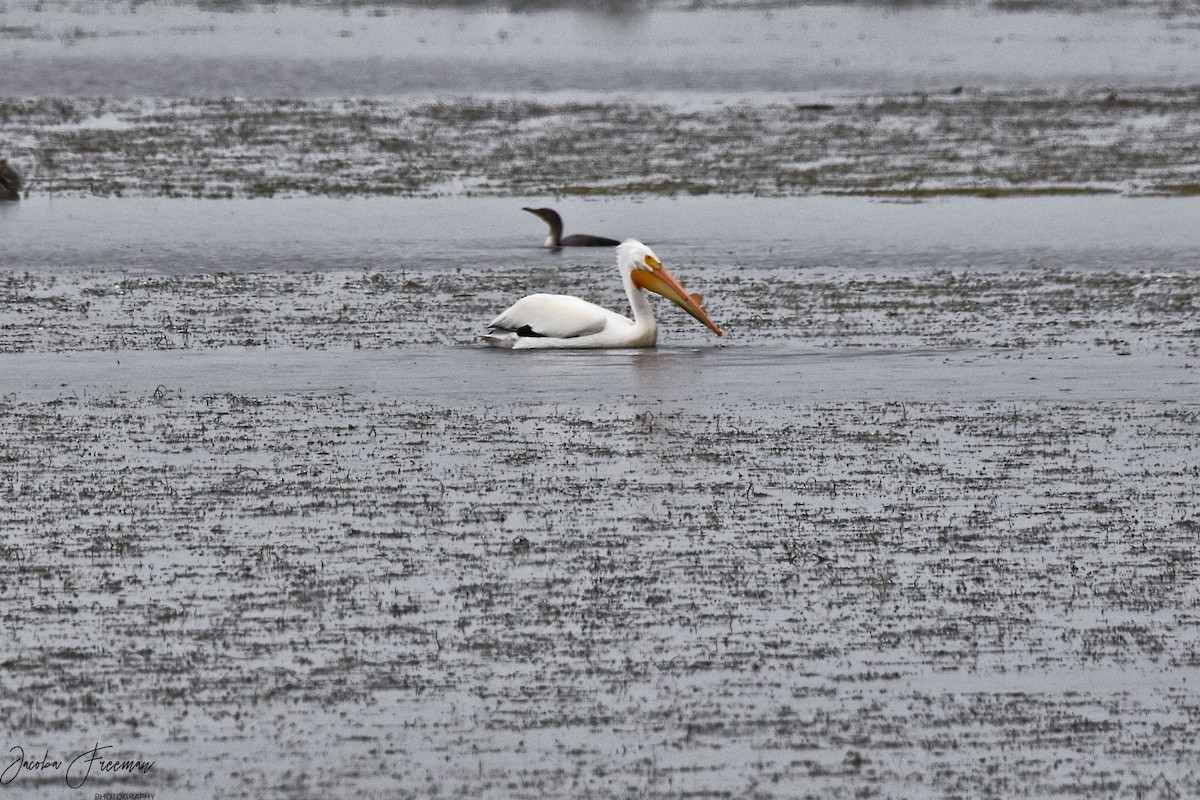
[(556, 239), (561, 321)]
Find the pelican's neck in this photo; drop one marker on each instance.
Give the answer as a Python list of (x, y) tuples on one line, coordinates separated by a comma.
[(643, 314)]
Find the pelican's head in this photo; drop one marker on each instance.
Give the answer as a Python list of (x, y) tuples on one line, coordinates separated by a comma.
[(647, 272)]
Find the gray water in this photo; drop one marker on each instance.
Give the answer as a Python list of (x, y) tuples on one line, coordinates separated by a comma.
[(922, 524), (287, 51), (769, 268), (276, 521), (734, 233)]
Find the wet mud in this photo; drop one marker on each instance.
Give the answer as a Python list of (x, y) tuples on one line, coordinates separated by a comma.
[(1033, 310), (277, 596), (911, 145), (924, 524), (568, 582)]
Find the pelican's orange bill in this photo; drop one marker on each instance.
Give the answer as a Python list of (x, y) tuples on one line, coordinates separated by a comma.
[(660, 281)]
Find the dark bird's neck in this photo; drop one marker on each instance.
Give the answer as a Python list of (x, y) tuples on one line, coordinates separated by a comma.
[(556, 229)]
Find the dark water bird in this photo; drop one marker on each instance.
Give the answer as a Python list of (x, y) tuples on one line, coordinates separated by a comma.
[(10, 182), (560, 321), (556, 239)]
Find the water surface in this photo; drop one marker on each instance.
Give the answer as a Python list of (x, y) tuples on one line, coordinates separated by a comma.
[(729, 233), (290, 51), (925, 519)]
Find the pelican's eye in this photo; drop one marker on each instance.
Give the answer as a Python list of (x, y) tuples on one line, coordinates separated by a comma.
[(652, 262)]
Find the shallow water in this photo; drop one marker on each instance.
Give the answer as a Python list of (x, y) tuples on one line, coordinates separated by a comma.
[(731, 233), (467, 377), (923, 524), (288, 51)]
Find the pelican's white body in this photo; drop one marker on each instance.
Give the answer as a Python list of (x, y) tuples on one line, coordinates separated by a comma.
[(563, 321), (570, 322), (559, 321)]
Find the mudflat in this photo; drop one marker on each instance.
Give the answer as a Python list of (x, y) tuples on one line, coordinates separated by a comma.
[(922, 524)]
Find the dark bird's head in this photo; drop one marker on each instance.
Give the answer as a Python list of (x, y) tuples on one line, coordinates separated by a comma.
[(551, 218), (547, 215)]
